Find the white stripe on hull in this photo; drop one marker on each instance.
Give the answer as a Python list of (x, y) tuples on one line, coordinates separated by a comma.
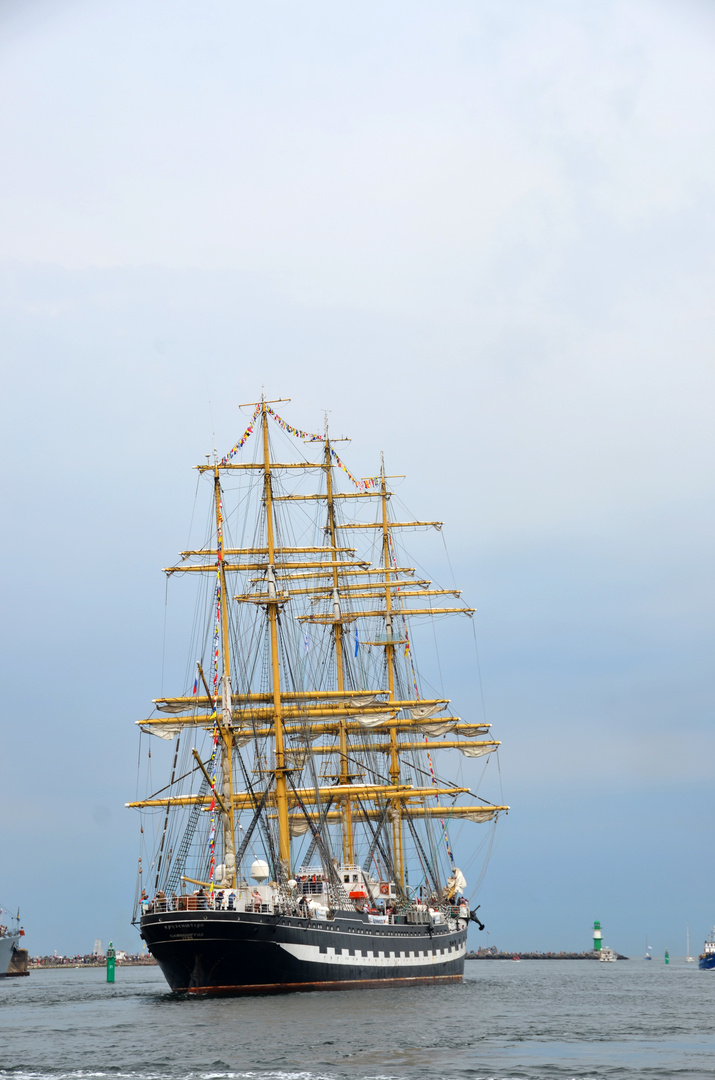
[(342, 957)]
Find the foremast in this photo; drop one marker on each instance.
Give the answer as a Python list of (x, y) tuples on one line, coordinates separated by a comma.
[(228, 813)]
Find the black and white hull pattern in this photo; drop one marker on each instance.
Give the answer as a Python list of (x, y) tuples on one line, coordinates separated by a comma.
[(224, 952)]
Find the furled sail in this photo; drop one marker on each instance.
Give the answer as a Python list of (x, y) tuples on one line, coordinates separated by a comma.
[(474, 813), (370, 720), (163, 731), (424, 712), (438, 727)]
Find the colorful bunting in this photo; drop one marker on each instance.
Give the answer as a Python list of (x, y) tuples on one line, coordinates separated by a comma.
[(247, 433), (306, 435), (367, 484)]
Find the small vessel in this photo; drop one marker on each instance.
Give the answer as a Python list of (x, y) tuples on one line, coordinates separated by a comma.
[(607, 956), (706, 960), (648, 950), (10, 936), (301, 838), (688, 958)]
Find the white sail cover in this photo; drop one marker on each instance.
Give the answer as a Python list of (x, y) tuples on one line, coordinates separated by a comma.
[(473, 813), (358, 701), (164, 731), (423, 712), (373, 719), (298, 826), (477, 751), (187, 705), (457, 882), (437, 727), (473, 732)]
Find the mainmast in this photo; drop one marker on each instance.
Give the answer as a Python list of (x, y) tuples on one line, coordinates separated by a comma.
[(344, 775), (398, 856), (228, 817), (272, 602)]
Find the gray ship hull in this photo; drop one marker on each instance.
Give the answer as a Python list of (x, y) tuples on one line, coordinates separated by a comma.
[(8, 942)]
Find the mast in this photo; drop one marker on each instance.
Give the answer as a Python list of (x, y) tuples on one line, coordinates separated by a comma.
[(398, 855), (344, 776), (272, 605), (228, 814)]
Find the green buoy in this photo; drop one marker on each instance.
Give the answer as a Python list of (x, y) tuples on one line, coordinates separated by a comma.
[(667, 957), (110, 962)]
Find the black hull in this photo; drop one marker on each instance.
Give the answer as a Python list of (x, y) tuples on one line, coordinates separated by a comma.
[(227, 952)]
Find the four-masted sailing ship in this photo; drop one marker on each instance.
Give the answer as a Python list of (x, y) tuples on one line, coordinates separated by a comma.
[(302, 841)]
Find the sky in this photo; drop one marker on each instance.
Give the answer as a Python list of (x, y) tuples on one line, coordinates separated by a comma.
[(480, 236)]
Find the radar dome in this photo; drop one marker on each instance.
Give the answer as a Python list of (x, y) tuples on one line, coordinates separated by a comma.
[(259, 870)]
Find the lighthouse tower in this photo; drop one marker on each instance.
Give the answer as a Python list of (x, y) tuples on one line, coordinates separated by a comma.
[(597, 936)]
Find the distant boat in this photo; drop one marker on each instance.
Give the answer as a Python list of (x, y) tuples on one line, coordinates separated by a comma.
[(706, 960), (9, 941), (688, 958), (608, 956), (647, 950)]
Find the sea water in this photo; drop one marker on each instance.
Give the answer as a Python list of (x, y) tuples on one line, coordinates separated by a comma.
[(534, 1020)]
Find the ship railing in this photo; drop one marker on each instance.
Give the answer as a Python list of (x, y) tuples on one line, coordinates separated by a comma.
[(219, 901), (310, 887), (251, 901)]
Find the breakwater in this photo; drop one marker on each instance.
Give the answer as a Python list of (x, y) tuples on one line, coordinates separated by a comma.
[(495, 954), (39, 963)]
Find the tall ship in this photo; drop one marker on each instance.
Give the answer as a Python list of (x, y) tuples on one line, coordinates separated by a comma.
[(299, 835), (706, 960)]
